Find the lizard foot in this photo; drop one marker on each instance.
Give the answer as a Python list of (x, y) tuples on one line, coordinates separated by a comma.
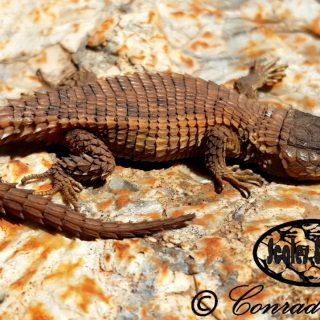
[(61, 182), (238, 178), (260, 75), (269, 73)]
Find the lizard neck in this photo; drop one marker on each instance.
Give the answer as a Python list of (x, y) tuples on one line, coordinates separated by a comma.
[(264, 141), (266, 133)]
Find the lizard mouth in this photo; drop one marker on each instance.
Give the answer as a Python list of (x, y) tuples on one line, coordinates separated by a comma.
[(300, 162)]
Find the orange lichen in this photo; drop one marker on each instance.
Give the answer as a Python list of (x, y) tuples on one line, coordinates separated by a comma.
[(118, 168), (45, 9), (149, 180), (282, 203), (289, 190), (106, 24), (122, 201), (312, 49), (313, 193), (255, 54), (268, 32), (105, 204), (308, 102), (259, 13), (145, 313), (187, 61), (171, 317), (64, 270), (4, 243), (5, 87), (48, 243), (253, 50), (199, 44), (178, 14), (177, 213), (138, 57), (99, 36), (33, 78), (151, 16), (314, 26), (46, 163), (163, 271), (123, 49), (10, 230), (153, 215), (252, 228), (38, 311), (210, 248), (205, 219), (197, 8), (107, 257), (166, 48), (228, 266), (229, 191), (42, 58), (86, 291), (298, 76), (207, 34), (299, 39), (18, 168), (122, 250), (35, 15)]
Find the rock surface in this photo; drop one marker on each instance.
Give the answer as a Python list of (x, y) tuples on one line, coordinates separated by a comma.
[(49, 276)]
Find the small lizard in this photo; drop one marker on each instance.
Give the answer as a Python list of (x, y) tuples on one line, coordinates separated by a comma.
[(153, 117)]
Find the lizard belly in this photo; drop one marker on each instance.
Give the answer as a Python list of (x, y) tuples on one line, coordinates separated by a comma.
[(154, 142)]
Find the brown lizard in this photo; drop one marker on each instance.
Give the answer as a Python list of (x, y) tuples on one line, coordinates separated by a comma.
[(153, 117)]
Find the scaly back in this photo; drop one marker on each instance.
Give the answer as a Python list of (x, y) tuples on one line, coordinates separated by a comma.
[(168, 111)]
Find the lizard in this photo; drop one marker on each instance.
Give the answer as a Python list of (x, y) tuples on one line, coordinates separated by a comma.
[(153, 117)]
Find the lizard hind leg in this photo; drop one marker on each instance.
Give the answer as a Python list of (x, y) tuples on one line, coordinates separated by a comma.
[(219, 142), (89, 159)]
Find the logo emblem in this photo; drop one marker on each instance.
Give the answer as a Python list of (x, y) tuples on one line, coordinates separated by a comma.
[(290, 252)]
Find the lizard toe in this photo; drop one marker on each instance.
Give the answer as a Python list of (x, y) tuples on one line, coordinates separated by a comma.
[(61, 182), (271, 72), (240, 179), (246, 175), (218, 183), (237, 184)]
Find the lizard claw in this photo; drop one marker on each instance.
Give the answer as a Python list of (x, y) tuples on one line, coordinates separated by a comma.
[(239, 179), (61, 183), (270, 73)]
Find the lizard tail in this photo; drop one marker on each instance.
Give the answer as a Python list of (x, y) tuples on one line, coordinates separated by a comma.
[(24, 204)]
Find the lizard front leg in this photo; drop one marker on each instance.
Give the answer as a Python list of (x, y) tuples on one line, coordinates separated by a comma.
[(260, 75), (220, 142), (89, 159)]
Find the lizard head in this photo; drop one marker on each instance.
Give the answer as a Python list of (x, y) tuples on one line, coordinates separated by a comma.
[(300, 145)]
